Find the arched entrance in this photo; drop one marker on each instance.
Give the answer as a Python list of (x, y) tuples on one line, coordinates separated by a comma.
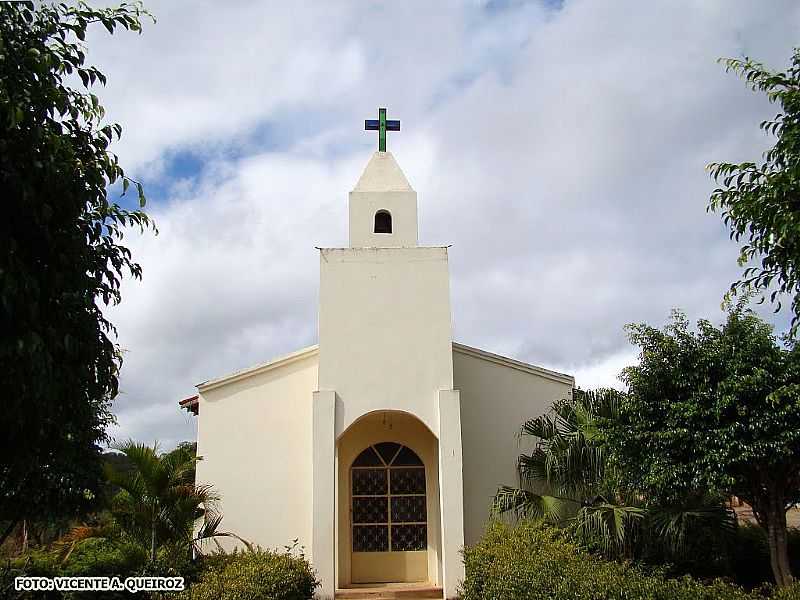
[(388, 515), (388, 522)]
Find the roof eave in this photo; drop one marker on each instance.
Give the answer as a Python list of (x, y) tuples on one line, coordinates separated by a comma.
[(276, 363), (514, 364)]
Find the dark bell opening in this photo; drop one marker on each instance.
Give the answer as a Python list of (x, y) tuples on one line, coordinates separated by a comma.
[(383, 222)]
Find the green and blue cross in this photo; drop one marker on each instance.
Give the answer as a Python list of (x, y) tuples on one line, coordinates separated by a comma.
[(381, 125)]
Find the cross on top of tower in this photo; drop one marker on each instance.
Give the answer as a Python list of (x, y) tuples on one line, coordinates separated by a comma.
[(381, 125)]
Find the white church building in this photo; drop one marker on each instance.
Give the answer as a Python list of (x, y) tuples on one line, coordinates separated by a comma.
[(381, 447)]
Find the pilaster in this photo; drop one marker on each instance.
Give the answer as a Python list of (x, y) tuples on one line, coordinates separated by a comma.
[(451, 490), (324, 491)]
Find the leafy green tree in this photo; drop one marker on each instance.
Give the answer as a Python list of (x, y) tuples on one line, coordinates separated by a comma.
[(714, 411), (567, 478), (61, 258), (761, 201)]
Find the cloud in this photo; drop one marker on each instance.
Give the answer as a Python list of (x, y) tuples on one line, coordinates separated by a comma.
[(604, 373), (559, 147)]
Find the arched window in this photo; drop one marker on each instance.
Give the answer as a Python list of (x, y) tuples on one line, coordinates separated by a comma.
[(388, 500), (383, 221)]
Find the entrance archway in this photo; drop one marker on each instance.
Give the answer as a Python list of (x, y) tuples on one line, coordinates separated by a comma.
[(388, 526)]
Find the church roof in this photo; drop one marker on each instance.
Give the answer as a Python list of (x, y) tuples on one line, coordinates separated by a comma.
[(514, 364), (382, 174), (258, 369), (192, 402)]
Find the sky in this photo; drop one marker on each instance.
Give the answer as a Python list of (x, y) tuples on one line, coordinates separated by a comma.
[(559, 146)]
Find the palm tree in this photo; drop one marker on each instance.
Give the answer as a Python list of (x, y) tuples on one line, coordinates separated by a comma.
[(158, 504), (567, 479)]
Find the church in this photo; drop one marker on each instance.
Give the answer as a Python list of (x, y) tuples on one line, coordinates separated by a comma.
[(379, 448)]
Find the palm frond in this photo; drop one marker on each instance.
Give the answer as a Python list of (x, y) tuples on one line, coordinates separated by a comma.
[(210, 531), (569, 457), (610, 525), (149, 473), (543, 427), (524, 503), (676, 526)]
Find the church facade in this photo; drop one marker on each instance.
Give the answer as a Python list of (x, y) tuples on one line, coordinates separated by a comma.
[(381, 447)]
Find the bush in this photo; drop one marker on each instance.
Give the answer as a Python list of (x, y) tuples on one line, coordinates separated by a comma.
[(788, 593), (533, 561), (97, 557), (93, 557), (257, 575)]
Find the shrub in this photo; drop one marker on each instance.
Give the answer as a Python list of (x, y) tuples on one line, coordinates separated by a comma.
[(788, 593), (533, 561), (92, 557), (96, 557), (257, 575)]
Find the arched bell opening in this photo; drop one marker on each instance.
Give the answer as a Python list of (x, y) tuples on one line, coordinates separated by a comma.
[(383, 222)]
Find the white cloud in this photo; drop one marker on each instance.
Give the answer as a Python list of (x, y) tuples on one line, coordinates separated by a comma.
[(604, 373), (561, 152)]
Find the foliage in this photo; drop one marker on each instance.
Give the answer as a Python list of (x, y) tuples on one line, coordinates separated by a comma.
[(60, 258), (254, 575), (790, 592), (696, 536), (749, 561), (761, 202), (533, 561), (99, 556), (119, 463), (565, 478), (149, 531), (90, 558), (714, 411), (159, 504), (569, 480)]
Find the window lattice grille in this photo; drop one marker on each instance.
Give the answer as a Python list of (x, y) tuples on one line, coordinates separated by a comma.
[(370, 510), (369, 482), (370, 538), (408, 509), (409, 537), (408, 481)]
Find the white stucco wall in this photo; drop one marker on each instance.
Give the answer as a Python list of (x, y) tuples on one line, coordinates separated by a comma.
[(384, 330), (254, 435), (496, 399)]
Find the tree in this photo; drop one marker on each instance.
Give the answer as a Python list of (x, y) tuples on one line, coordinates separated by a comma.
[(158, 504), (60, 258), (571, 480), (761, 202), (567, 478), (714, 411)]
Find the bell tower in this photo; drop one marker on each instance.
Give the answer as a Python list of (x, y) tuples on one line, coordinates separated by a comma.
[(385, 346)]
